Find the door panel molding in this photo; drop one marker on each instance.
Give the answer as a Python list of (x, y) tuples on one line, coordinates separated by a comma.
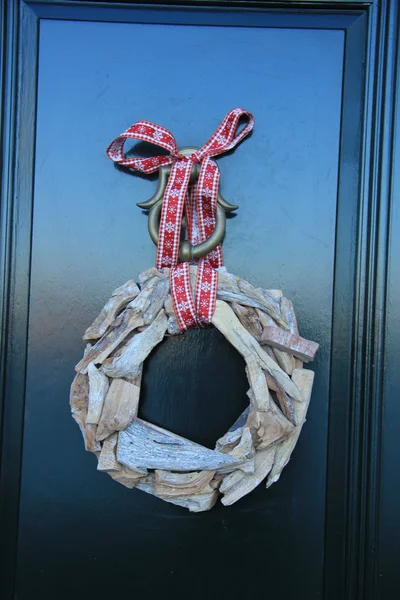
[(361, 256)]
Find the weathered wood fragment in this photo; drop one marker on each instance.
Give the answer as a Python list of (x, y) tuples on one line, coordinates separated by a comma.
[(120, 406), (195, 503), (107, 459), (248, 318), (304, 381), (287, 406), (226, 321), (145, 445), (129, 361), (268, 425), (283, 340), (150, 273), (98, 388), (141, 311), (286, 361), (119, 299), (239, 487), (289, 316), (91, 443), (169, 484), (79, 398), (127, 477), (234, 289)]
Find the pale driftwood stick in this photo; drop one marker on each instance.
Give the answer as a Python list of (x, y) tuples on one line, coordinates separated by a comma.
[(127, 477), (173, 326), (141, 311), (225, 320), (169, 306), (283, 340), (148, 274), (169, 484), (98, 388), (233, 435), (79, 398), (195, 503), (248, 318), (91, 444), (268, 426), (107, 458), (119, 299), (276, 294), (135, 352), (287, 406), (260, 393), (120, 406), (289, 316), (304, 381), (233, 289), (286, 361), (264, 460), (145, 445)]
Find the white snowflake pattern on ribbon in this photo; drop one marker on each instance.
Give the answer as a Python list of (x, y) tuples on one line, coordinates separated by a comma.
[(206, 286), (170, 227), (157, 136), (184, 305), (208, 221)]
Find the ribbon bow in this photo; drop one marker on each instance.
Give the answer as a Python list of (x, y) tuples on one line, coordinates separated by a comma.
[(199, 201)]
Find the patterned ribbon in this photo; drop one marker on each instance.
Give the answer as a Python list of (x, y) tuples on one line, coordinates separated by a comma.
[(198, 201)]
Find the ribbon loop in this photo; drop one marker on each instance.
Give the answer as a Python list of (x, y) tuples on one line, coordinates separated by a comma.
[(197, 201)]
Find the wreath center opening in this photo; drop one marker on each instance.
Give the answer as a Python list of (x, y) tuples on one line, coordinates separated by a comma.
[(194, 385)]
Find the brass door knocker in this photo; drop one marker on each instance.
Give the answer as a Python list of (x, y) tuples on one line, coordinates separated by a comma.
[(187, 251)]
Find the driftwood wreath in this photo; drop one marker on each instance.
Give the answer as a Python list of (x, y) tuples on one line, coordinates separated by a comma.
[(260, 324)]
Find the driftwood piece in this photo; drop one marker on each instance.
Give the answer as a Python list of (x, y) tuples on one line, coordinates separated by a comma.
[(141, 311), (286, 361), (120, 406), (127, 477), (286, 405), (152, 272), (283, 340), (147, 446), (228, 324), (195, 503), (234, 289), (248, 318), (119, 299), (239, 487), (98, 388), (169, 484), (79, 399), (107, 458), (129, 361), (304, 380), (233, 435), (269, 425), (289, 316)]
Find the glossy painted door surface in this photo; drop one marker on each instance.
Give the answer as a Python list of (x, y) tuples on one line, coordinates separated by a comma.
[(81, 534)]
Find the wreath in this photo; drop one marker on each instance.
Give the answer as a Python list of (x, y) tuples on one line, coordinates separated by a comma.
[(105, 394)]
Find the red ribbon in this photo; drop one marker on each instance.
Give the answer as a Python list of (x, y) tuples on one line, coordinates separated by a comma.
[(199, 202)]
